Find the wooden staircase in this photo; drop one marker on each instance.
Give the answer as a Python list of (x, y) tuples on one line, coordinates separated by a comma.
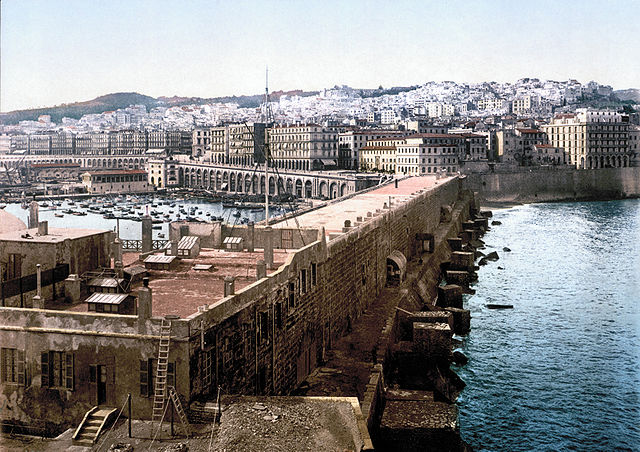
[(94, 423), (160, 392)]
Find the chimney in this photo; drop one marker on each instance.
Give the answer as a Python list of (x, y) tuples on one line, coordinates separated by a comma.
[(229, 285), (261, 269), (144, 301), (33, 215), (43, 228)]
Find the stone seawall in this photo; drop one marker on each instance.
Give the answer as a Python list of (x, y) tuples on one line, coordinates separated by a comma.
[(543, 185)]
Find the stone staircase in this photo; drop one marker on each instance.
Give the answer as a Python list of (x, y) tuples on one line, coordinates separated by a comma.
[(93, 424)]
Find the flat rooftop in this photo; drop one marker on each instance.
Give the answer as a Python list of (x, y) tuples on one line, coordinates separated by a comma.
[(181, 290), (55, 235), (333, 215)]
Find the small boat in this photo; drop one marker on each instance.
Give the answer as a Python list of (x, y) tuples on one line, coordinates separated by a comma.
[(59, 215), (161, 235), (79, 214), (499, 306), (156, 227)]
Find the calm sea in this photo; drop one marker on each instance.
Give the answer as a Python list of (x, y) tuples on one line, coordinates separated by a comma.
[(130, 229), (560, 371)]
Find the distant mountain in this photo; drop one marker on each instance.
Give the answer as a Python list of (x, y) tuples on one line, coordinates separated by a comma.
[(117, 101), (78, 109), (628, 94)]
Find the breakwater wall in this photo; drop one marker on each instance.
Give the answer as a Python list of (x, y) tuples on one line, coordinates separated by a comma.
[(544, 185)]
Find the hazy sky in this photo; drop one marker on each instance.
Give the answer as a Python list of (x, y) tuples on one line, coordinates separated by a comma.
[(56, 51)]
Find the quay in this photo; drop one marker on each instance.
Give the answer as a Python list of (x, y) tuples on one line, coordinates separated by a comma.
[(349, 290)]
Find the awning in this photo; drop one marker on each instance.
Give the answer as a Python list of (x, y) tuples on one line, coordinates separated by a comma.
[(328, 162), (107, 298)]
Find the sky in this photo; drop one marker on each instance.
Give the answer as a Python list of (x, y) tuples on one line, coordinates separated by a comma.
[(63, 51)]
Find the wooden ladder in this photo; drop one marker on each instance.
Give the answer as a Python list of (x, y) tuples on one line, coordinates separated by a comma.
[(160, 392), (181, 414)]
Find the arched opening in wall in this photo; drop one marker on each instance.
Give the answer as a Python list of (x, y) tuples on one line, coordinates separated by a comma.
[(299, 188), (324, 190), (624, 161), (582, 162), (261, 187), (619, 161), (396, 268), (289, 186), (248, 182), (343, 189), (272, 186), (333, 190), (180, 176), (308, 192), (239, 182)]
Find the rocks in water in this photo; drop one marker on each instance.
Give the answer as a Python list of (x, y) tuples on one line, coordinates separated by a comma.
[(506, 249), (460, 358), (483, 261), (476, 243), (492, 256), (496, 223), (500, 268)]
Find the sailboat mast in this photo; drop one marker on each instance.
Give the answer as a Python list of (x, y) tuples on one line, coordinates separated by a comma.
[(266, 148)]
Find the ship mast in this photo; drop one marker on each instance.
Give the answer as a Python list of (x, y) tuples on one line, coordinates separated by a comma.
[(266, 148)]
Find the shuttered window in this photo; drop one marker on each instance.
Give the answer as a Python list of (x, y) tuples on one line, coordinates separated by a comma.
[(12, 362), (57, 370)]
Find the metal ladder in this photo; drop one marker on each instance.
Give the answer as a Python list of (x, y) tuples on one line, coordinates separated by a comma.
[(181, 414), (160, 392)]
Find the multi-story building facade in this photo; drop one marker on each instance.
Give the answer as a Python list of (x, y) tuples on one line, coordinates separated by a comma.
[(350, 143), (40, 144), (115, 181), (62, 144), (591, 138), (129, 142), (634, 145), (235, 144), (378, 158), (429, 153), (492, 103), (201, 141), (523, 105), (163, 172), (515, 145), (303, 147)]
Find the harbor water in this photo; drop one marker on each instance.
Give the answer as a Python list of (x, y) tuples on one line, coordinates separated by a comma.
[(561, 370), (162, 209)]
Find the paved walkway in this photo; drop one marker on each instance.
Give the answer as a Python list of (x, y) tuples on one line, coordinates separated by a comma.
[(333, 216)]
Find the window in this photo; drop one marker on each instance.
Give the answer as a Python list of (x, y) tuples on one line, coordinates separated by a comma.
[(263, 319), (171, 374), (12, 365), (146, 372), (303, 281), (278, 314), (314, 273), (292, 295), (57, 370)]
